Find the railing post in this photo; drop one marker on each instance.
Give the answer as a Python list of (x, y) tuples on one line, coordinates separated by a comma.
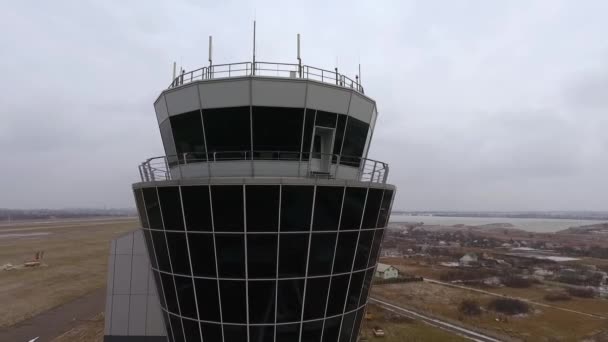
[(373, 172), (141, 175), (337, 76), (385, 173)]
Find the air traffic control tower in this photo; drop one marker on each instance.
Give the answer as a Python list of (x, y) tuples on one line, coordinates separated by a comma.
[(264, 219)]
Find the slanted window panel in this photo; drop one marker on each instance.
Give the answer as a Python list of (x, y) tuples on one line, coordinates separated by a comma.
[(171, 208), (201, 252), (378, 235), (196, 208), (191, 330), (366, 284), (170, 295), (354, 142), (141, 208), (372, 208), (347, 327), (150, 247), (345, 251), (309, 124), (337, 294), (364, 247), (185, 293), (326, 119), (277, 129), (227, 208), (261, 301), (208, 300), (178, 250), (187, 131), (168, 143), (178, 332), (311, 331), (296, 208), (385, 208), (227, 129), (234, 301), (332, 329), (328, 202), (352, 210), (235, 333), (160, 247), (292, 255), (288, 332), (261, 333), (230, 255), (316, 297), (159, 283), (354, 291), (340, 128), (322, 247), (168, 326), (152, 208), (211, 332), (261, 255), (262, 208), (289, 300), (357, 324)]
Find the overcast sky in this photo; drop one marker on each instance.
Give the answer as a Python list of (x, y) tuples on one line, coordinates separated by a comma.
[(484, 105)]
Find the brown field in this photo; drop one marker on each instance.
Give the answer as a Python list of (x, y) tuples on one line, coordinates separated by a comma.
[(74, 264)]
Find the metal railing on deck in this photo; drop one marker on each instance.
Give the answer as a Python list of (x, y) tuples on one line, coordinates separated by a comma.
[(310, 165), (268, 69)]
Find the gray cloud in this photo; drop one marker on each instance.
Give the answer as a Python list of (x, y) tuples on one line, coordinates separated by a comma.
[(483, 105)]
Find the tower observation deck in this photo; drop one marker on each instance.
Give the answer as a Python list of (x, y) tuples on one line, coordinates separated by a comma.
[(264, 219)]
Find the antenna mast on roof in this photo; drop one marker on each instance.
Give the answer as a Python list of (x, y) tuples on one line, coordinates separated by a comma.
[(210, 51), (253, 69), (299, 59)]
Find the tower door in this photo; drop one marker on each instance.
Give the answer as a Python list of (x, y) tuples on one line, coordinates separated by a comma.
[(322, 147)]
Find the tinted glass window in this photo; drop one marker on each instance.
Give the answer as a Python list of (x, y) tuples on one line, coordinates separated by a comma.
[(168, 143), (354, 141), (188, 136), (337, 294), (230, 255), (191, 330), (345, 251), (364, 247), (352, 210), (347, 327), (141, 208), (236, 333), (385, 208), (227, 207), (296, 208), (185, 293), (340, 128), (357, 322), (178, 331), (150, 247), (277, 129), (292, 255), (311, 331), (372, 208), (262, 208), (227, 129), (168, 326), (316, 297), (262, 255), (328, 202), (325, 119), (234, 301), (321, 253), (152, 208), (160, 246), (309, 123), (178, 250), (161, 296), (208, 301), (288, 332), (170, 204), (202, 254), (289, 300), (378, 235), (196, 207), (354, 290), (170, 296), (211, 332), (332, 329), (261, 301), (365, 289), (261, 333)]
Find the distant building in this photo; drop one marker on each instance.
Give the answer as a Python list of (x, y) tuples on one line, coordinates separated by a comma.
[(468, 259), (385, 271)]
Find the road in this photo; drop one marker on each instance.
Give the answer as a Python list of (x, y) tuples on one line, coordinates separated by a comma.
[(66, 224), (458, 330)]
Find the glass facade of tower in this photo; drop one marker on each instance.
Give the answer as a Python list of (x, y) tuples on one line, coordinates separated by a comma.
[(263, 262)]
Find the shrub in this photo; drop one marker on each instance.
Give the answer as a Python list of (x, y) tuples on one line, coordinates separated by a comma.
[(509, 306), (554, 297), (581, 292), (469, 307), (517, 282)]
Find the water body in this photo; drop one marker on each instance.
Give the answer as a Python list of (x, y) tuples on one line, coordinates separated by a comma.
[(536, 225)]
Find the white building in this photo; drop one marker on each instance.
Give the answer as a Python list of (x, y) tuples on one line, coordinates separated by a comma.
[(385, 271), (468, 259)]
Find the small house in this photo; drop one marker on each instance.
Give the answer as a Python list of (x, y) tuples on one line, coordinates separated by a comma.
[(385, 271)]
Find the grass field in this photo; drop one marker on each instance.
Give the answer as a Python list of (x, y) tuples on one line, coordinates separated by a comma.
[(76, 257)]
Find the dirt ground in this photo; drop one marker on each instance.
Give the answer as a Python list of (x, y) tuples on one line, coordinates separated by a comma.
[(74, 264)]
